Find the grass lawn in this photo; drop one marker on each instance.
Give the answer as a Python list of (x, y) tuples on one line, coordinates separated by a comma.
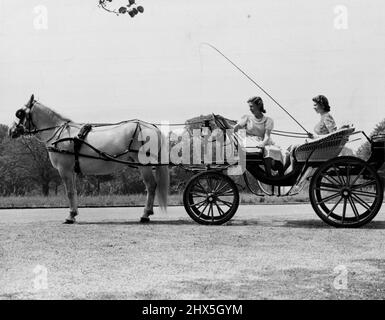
[(125, 200)]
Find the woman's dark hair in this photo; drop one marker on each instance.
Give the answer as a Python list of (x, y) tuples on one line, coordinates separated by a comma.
[(257, 101), (322, 101)]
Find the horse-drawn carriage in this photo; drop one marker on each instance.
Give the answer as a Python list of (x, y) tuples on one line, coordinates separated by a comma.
[(345, 191)]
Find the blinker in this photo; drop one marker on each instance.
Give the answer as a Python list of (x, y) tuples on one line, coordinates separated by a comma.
[(20, 114)]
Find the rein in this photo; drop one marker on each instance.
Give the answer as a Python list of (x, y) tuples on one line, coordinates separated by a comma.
[(58, 128), (282, 133)]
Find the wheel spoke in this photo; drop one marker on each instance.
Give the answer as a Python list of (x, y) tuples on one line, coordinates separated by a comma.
[(343, 183), (221, 188), (198, 204), (209, 184), (200, 185), (228, 192), (366, 194), (363, 185), (199, 189), (344, 210), (361, 202), (212, 211), (329, 185), (358, 176), (351, 201), (229, 204), (334, 207), (333, 196), (348, 175), (330, 178), (218, 184), (213, 184), (326, 190), (203, 210), (220, 211), (196, 194)]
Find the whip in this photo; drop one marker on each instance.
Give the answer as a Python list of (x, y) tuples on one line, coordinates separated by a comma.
[(255, 83)]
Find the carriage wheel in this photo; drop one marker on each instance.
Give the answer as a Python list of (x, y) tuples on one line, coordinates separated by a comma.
[(211, 198), (346, 192)]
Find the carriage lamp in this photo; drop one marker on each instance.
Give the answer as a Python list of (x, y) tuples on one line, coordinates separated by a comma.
[(130, 8)]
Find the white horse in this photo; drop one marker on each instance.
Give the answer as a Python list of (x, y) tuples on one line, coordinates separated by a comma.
[(122, 141)]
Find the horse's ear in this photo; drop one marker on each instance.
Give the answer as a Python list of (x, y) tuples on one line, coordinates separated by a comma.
[(30, 103)]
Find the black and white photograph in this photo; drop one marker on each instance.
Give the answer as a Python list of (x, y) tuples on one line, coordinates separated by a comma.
[(195, 151)]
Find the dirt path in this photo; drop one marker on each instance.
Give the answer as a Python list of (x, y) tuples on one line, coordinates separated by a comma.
[(275, 251)]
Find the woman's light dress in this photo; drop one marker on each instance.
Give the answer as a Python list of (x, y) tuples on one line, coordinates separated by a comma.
[(255, 132), (326, 125)]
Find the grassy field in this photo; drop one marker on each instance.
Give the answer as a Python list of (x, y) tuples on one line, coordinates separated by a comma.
[(124, 200)]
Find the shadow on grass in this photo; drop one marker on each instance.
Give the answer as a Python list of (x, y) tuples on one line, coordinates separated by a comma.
[(187, 221), (152, 222), (305, 224), (319, 224)]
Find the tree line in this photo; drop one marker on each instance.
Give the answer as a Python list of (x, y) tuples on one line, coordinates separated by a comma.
[(25, 168)]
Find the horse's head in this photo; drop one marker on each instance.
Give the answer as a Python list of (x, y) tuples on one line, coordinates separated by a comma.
[(24, 123)]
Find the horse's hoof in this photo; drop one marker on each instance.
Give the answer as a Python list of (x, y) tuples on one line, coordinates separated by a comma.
[(69, 221), (144, 220)]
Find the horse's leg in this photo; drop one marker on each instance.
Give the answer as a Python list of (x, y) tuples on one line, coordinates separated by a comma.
[(150, 182), (69, 180)]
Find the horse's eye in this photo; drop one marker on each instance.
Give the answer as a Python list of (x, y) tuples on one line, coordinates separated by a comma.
[(20, 114)]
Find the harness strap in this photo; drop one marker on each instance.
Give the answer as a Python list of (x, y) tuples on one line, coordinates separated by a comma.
[(78, 142), (133, 137), (138, 132)]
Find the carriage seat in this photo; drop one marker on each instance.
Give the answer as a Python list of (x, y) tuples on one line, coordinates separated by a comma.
[(251, 149), (323, 148)]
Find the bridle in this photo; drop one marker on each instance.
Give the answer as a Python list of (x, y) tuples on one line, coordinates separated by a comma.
[(26, 125)]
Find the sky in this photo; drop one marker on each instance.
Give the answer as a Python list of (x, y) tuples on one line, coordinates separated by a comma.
[(93, 66)]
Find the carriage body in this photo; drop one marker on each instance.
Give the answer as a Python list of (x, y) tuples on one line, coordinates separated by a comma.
[(344, 191)]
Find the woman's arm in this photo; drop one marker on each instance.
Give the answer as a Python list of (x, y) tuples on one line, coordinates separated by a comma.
[(237, 127), (240, 124)]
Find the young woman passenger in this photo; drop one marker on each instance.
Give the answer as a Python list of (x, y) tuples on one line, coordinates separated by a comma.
[(259, 126)]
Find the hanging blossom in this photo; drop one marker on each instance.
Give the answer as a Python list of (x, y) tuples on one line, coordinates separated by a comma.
[(131, 8)]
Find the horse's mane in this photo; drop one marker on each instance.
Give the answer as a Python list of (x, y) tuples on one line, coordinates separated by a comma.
[(51, 113)]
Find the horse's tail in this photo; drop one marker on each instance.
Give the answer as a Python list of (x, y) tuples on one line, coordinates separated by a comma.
[(162, 179)]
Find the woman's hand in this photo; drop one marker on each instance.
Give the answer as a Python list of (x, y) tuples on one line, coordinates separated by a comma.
[(260, 144), (311, 137)]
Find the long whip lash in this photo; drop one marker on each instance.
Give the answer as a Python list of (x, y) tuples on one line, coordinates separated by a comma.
[(263, 90)]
